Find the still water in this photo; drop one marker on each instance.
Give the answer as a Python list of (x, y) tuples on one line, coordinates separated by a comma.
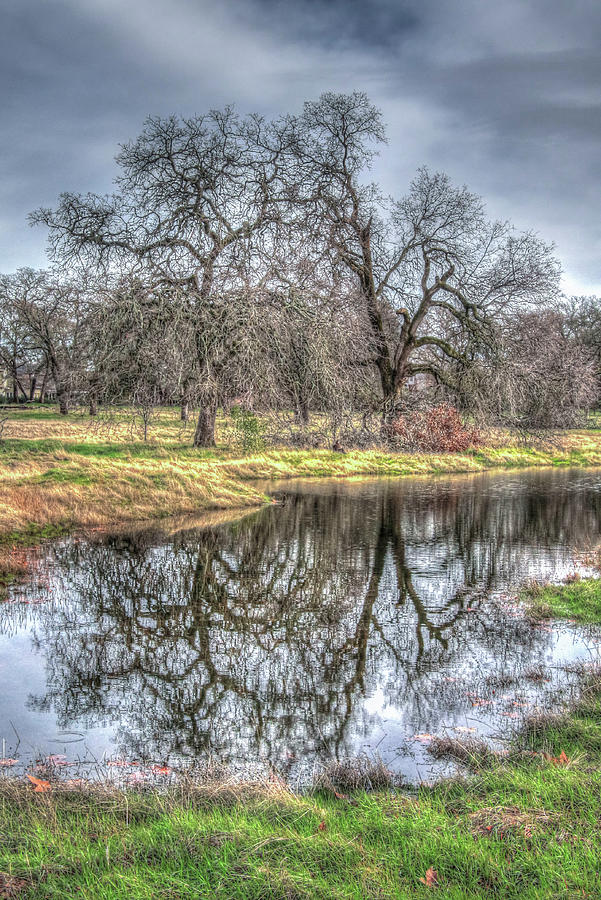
[(351, 617)]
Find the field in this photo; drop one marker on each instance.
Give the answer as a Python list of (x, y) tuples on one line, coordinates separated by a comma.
[(59, 473)]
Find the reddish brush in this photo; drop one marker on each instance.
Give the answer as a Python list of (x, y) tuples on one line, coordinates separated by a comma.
[(437, 430)]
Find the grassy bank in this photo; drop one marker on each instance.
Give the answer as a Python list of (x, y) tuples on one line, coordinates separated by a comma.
[(525, 825), (579, 600), (64, 472)]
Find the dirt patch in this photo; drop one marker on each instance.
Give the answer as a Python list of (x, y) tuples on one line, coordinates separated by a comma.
[(11, 886)]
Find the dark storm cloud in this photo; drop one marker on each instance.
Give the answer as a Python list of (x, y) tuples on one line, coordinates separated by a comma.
[(504, 96)]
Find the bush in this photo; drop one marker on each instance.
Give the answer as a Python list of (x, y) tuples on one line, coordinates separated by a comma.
[(438, 430), (247, 431)]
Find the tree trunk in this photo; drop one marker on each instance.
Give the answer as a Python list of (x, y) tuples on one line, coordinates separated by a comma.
[(185, 411), (43, 388), (32, 387), (204, 436), (63, 401), (302, 411), (93, 406)]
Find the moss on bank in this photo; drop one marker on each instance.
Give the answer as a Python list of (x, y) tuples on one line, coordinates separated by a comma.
[(580, 600)]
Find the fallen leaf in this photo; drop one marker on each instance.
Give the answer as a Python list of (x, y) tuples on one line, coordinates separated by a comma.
[(135, 777), (431, 879), (322, 826), (56, 759), (40, 786)]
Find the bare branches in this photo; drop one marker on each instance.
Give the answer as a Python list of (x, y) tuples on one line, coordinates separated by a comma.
[(253, 261)]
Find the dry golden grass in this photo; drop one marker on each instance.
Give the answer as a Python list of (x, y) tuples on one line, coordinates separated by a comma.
[(65, 472)]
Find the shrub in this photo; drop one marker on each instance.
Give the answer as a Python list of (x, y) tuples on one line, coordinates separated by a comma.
[(438, 429), (247, 430)]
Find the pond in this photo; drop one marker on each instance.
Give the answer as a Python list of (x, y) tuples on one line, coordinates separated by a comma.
[(347, 618)]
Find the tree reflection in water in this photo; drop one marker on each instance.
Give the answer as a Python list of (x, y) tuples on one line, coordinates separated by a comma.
[(261, 642)]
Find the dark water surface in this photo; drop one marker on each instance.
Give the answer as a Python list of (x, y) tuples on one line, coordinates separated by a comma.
[(348, 619)]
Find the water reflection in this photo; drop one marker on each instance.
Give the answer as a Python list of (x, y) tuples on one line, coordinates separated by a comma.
[(352, 615)]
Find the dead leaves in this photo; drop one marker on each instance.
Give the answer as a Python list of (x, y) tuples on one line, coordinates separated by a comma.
[(56, 759), (346, 797), (431, 878), (561, 760), (39, 785)]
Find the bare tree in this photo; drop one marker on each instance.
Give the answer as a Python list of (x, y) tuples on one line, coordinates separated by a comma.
[(140, 348), (533, 374), (17, 355), (53, 313), (191, 195), (583, 320), (423, 264)]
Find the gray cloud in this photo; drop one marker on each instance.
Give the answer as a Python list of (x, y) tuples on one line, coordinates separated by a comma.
[(504, 97)]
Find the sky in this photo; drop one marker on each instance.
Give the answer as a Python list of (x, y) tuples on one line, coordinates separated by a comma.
[(503, 95)]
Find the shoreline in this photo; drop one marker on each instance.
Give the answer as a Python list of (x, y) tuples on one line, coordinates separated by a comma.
[(523, 824), (49, 488)]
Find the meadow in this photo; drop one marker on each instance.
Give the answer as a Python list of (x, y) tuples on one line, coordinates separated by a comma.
[(64, 472)]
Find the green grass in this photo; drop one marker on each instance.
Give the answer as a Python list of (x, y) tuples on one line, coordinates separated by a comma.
[(579, 600), (61, 473), (522, 827)]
